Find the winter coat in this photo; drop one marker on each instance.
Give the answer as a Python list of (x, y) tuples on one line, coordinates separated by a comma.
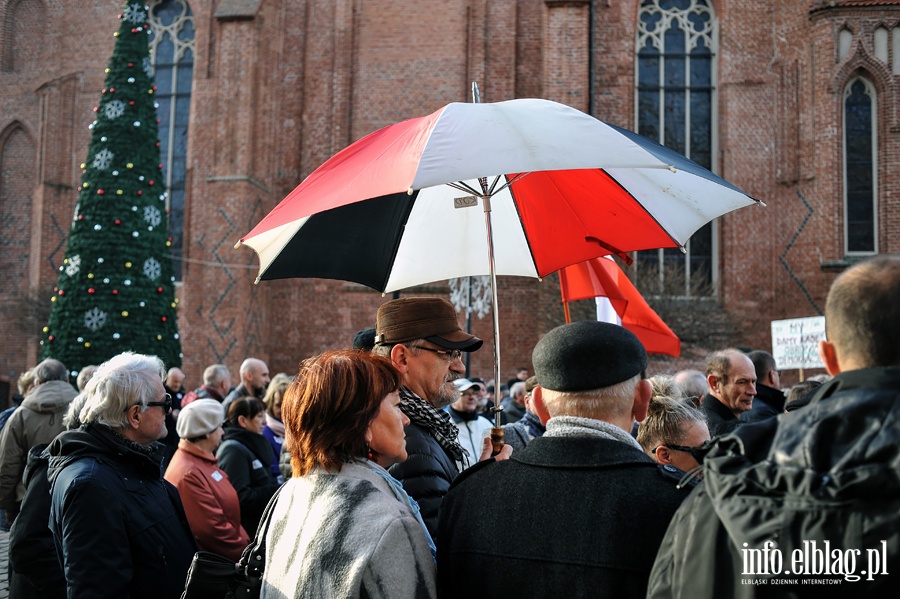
[(719, 418), (828, 472), (472, 429), (118, 526), (210, 502), (247, 459), (564, 517), (345, 534), (767, 402), (426, 474), (35, 572), (36, 422)]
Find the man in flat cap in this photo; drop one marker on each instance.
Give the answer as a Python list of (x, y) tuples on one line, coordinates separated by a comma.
[(422, 338), (582, 505)]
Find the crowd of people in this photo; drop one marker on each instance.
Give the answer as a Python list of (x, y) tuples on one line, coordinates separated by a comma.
[(378, 465)]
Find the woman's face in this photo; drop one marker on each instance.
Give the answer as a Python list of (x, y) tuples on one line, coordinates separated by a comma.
[(276, 405), (386, 436), (255, 424)]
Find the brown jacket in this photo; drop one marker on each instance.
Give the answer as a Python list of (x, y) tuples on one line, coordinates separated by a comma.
[(210, 502)]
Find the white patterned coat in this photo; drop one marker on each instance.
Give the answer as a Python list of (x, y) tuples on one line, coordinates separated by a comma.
[(345, 535)]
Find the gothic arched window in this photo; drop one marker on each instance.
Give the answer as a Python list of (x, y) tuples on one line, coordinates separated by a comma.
[(676, 86), (860, 180), (172, 53)]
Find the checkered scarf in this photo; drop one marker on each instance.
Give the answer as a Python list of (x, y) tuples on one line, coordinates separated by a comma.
[(436, 422)]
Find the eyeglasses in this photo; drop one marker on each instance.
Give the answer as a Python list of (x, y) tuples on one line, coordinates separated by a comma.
[(166, 405), (450, 356), (686, 448)]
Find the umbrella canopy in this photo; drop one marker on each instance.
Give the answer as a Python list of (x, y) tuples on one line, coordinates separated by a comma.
[(602, 278), (407, 204)]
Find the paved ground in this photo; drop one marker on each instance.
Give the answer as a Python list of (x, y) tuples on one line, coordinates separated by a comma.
[(4, 564)]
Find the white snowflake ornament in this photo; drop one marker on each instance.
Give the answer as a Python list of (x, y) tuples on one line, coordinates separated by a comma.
[(134, 13), (73, 266), (94, 319), (103, 159), (152, 268), (480, 303), (114, 109), (152, 216)]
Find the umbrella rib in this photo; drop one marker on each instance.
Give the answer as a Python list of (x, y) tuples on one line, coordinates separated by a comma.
[(647, 212)]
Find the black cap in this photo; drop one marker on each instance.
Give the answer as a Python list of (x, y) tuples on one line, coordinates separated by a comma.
[(587, 355), (364, 339)]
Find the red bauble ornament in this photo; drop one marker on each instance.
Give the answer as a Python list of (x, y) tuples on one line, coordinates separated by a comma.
[(130, 64), (163, 318), (158, 290), (96, 109), (91, 290), (51, 338), (99, 192), (140, 193), (118, 222), (115, 292), (62, 291), (150, 182), (80, 217), (131, 103), (112, 90)]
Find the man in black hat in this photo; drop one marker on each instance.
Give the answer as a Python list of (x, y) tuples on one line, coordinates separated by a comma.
[(582, 505), (423, 339)]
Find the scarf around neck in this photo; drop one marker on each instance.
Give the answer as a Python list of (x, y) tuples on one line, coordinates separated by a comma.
[(574, 426), (436, 422)]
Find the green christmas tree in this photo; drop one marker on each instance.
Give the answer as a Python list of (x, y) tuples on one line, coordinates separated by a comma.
[(115, 290)]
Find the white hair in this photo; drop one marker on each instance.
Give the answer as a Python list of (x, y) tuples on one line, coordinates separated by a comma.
[(119, 383), (598, 404)]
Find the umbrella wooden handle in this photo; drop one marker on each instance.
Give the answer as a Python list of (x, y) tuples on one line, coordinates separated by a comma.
[(496, 440)]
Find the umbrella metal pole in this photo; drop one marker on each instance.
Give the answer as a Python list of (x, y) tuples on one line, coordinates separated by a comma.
[(497, 430)]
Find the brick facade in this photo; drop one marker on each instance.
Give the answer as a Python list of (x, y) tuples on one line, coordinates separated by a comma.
[(279, 86)]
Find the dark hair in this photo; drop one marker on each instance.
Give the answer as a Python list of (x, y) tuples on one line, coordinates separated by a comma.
[(800, 395), (763, 363), (862, 313), (246, 406), (328, 409)]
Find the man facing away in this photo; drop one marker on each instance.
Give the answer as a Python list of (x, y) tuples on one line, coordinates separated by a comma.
[(732, 385), (216, 384), (817, 485), (120, 529), (579, 512), (36, 422), (423, 339)]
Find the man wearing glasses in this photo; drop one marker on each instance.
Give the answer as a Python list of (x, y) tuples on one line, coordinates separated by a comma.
[(423, 339), (119, 526)]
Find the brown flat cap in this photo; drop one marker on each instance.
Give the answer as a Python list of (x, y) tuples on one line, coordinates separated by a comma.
[(429, 318)]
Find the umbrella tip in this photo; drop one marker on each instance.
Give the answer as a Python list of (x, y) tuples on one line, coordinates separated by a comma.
[(761, 203), (258, 279), (409, 191), (673, 169), (237, 245)]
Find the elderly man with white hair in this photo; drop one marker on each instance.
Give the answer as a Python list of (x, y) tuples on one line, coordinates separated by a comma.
[(119, 528)]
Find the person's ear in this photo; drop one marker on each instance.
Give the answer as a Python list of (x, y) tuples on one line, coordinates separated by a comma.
[(713, 382), (641, 404), (133, 416), (400, 358), (538, 405), (662, 455), (828, 353)]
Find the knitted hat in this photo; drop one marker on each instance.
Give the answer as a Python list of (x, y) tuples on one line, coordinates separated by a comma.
[(198, 418), (587, 355), (429, 318)]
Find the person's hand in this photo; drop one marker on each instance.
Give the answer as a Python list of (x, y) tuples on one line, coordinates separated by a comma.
[(487, 448)]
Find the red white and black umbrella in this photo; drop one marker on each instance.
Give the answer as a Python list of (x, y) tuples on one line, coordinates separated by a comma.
[(522, 187)]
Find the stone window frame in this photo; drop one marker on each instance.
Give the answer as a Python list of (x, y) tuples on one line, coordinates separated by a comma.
[(709, 36), (872, 92), (175, 199)]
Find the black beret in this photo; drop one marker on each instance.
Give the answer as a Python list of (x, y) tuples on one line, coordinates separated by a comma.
[(364, 339), (587, 355)]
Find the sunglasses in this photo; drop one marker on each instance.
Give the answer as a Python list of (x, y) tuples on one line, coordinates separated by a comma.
[(166, 405)]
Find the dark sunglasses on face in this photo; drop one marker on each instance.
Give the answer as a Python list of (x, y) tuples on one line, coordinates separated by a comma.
[(166, 405)]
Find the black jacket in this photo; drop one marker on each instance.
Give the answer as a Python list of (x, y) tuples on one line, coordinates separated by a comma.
[(118, 525), (247, 458), (564, 517), (426, 474), (827, 472), (35, 570), (719, 418)]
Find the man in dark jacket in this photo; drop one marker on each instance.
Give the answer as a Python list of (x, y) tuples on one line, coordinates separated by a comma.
[(769, 398), (423, 339), (807, 504), (119, 527), (732, 386), (579, 512)]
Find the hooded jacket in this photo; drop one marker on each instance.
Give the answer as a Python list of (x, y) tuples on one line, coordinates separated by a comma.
[(36, 422), (827, 473), (119, 528)]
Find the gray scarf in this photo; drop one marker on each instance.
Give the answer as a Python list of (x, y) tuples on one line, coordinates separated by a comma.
[(574, 426)]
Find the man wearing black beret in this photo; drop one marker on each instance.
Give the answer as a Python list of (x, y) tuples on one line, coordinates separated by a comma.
[(584, 509)]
